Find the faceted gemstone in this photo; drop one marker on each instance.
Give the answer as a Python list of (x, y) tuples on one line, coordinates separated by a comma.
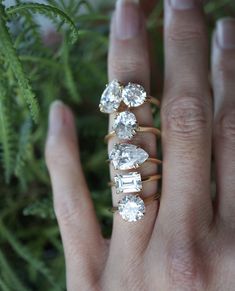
[(128, 183), (127, 156), (125, 125), (131, 208), (134, 95), (111, 97)]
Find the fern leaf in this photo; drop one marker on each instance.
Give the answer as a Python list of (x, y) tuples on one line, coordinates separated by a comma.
[(9, 275), (25, 254), (6, 136), (47, 10), (7, 49), (24, 144), (3, 286)]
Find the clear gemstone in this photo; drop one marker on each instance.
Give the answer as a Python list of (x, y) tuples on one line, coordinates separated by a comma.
[(134, 95), (125, 125), (131, 208), (127, 156), (128, 183), (111, 97)]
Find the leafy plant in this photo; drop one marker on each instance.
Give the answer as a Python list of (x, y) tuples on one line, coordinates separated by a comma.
[(35, 69)]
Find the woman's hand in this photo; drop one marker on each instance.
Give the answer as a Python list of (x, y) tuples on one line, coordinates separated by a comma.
[(186, 242)]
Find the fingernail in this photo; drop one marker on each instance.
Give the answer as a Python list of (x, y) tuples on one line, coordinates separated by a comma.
[(56, 116), (226, 33), (182, 4), (128, 20)]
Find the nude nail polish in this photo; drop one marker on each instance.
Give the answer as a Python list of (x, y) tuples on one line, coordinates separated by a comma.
[(127, 19), (182, 4), (226, 33)]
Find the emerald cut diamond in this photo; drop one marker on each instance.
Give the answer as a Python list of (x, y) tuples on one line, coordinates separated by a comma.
[(128, 183)]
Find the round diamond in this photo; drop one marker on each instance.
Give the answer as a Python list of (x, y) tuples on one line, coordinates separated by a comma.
[(134, 95), (131, 208), (125, 125), (111, 97)]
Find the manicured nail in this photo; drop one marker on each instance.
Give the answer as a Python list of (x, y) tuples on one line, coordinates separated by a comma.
[(182, 4), (226, 33), (56, 117), (127, 18)]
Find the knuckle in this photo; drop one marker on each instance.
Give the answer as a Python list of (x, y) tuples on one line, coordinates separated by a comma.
[(128, 66), (184, 266), (186, 117), (185, 35), (225, 125)]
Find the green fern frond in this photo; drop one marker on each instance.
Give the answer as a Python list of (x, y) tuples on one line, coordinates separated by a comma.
[(47, 10), (26, 255), (6, 136), (9, 275), (7, 49), (3, 286), (24, 144)]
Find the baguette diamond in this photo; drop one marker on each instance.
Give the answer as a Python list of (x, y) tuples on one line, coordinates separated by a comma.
[(131, 208), (128, 183), (127, 156)]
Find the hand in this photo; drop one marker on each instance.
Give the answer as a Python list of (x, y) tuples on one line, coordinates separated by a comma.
[(188, 242)]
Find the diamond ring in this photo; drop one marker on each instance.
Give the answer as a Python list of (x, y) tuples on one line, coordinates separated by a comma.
[(125, 127), (132, 207), (128, 156), (131, 95), (131, 182)]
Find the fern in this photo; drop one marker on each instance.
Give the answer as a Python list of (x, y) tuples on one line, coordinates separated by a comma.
[(47, 10), (24, 144), (6, 135), (9, 275), (26, 255), (3, 286), (11, 58)]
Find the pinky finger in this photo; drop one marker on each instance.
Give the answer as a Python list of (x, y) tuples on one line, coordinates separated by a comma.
[(82, 240)]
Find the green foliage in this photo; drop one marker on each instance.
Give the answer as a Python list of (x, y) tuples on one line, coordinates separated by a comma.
[(35, 70)]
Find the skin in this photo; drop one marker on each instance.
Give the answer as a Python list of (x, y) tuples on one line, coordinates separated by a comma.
[(185, 242)]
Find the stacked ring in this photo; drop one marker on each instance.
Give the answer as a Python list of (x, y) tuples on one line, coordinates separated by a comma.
[(125, 127), (131, 182), (132, 207), (131, 95), (124, 156)]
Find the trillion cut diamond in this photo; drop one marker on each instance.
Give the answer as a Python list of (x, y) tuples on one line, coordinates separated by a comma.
[(134, 95), (111, 97), (128, 183), (131, 208), (125, 125), (127, 156)]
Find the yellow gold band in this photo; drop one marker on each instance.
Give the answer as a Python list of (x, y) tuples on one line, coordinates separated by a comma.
[(147, 200), (153, 130)]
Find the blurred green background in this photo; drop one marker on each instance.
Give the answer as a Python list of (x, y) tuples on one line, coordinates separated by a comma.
[(35, 68)]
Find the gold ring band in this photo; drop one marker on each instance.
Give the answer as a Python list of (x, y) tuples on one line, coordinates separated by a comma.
[(153, 130), (147, 200)]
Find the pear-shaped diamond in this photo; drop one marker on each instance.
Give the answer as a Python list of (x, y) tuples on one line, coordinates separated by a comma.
[(134, 95), (125, 125), (111, 97), (131, 208), (127, 156)]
